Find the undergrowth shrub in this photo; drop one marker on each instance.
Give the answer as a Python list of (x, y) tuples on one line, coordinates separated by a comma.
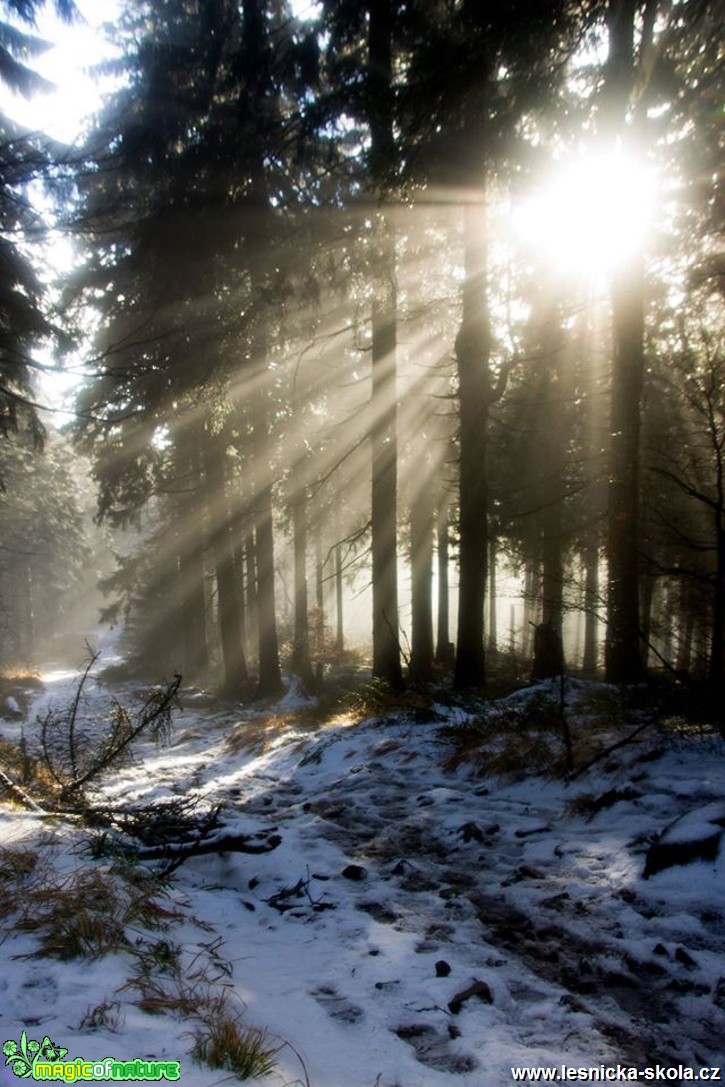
[(377, 698), (561, 728), (511, 741), (259, 732)]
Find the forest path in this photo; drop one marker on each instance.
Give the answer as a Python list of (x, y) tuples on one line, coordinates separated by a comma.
[(417, 922), (501, 884)]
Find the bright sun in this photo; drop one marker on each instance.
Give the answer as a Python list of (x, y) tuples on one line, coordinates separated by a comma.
[(591, 216)]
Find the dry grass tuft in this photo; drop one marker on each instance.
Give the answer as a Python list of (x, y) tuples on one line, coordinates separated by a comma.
[(225, 1042), (26, 771), (176, 996), (17, 867), (95, 911), (16, 863), (107, 1015), (88, 914), (254, 735)]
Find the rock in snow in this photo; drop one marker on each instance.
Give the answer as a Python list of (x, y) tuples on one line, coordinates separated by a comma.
[(695, 836)]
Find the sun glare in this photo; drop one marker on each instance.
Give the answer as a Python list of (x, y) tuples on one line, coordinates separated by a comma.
[(591, 216), (67, 65)]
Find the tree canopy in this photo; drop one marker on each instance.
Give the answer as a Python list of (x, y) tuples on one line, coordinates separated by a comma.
[(412, 295)]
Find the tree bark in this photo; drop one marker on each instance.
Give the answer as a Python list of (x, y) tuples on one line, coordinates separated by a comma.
[(250, 583), (237, 558), (386, 646), (623, 646), (219, 519), (473, 348), (717, 640), (685, 628), (443, 654), (190, 554), (549, 642), (492, 594), (623, 657), (421, 561), (591, 608), (339, 625), (301, 665)]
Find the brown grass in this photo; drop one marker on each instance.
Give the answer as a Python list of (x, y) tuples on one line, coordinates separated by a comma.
[(225, 1041), (27, 772), (254, 735), (89, 913)]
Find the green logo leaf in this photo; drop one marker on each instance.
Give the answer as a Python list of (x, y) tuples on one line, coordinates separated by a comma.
[(21, 1058)]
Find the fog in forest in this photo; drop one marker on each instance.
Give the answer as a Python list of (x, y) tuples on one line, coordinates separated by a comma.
[(370, 338), (362, 541)]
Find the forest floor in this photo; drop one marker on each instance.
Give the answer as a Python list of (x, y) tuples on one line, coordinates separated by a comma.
[(433, 902)]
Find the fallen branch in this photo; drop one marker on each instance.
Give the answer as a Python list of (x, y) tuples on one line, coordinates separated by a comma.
[(21, 796), (230, 843), (608, 750)]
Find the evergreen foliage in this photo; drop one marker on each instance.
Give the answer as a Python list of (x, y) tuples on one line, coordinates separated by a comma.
[(318, 337)]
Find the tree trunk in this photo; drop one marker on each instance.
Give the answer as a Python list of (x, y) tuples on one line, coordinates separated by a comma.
[(386, 646), (492, 595), (623, 651), (339, 629), (421, 561), (444, 654), (237, 550), (623, 648), (259, 230), (250, 582), (270, 676), (190, 551), (319, 627), (532, 573), (219, 519), (647, 586), (549, 642), (473, 348), (717, 640), (594, 427), (27, 615), (301, 665), (591, 608), (685, 627)]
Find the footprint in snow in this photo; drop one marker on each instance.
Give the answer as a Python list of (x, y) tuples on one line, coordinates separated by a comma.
[(337, 1006), (38, 992), (433, 1049)]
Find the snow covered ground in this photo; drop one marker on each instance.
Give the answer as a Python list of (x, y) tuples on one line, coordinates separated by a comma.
[(415, 926)]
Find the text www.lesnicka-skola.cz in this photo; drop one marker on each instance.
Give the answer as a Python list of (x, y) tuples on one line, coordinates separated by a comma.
[(617, 1073)]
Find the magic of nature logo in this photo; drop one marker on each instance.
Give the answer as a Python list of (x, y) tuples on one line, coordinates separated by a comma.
[(30, 1059)]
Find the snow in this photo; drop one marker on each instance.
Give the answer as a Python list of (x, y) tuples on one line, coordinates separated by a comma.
[(587, 962), (694, 825)]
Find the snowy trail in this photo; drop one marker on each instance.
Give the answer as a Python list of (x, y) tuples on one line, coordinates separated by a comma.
[(549, 910), (398, 885)]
